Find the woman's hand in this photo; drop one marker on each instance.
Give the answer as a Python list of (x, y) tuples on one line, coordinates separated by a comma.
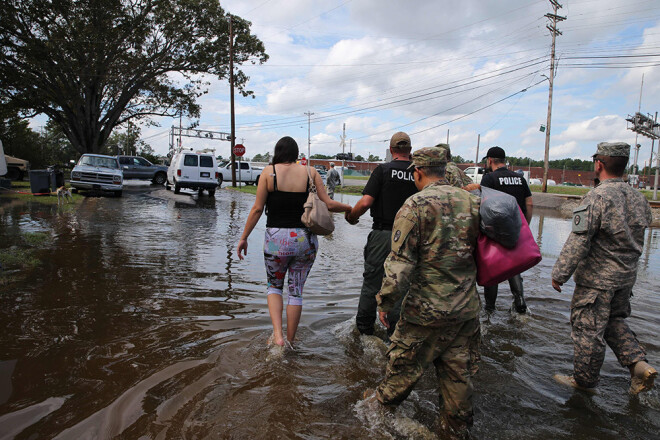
[(242, 246)]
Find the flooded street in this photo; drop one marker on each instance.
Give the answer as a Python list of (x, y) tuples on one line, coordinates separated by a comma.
[(141, 322)]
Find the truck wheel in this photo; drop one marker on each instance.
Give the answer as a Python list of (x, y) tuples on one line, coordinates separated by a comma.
[(159, 179), (220, 181), (256, 181), (211, 192), (200, 192), (177, 188), (74, 190), (118, 193)]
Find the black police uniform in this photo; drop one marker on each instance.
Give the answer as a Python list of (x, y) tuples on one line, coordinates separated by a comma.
[(390, 185), (514, 184)]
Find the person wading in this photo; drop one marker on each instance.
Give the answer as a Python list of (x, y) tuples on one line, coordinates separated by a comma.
[(602, 251), (289, 247), (388, 187), (431, 266), (512, 183)]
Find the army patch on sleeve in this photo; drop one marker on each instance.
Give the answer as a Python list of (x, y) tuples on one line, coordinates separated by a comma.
[(403, 227), (581, 219)]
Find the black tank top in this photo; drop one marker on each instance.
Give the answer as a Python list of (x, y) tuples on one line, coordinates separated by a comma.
[(284, 208)]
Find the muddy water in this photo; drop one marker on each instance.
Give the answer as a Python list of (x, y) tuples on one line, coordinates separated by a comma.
[(142, 323)]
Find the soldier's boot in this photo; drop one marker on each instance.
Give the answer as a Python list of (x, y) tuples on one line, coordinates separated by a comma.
[(516, 286), (642, 377), (570, 381), (490, 295), (454, 429)]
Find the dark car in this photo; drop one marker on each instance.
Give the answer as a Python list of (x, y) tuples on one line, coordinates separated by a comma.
[(139, 168)]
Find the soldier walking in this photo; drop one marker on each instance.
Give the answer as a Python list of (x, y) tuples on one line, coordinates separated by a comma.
[(332, 180), (388, 187), (431, 265), (602, 250)]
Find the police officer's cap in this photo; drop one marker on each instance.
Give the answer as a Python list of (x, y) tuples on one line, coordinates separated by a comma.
[(496, 153), (400, 140)]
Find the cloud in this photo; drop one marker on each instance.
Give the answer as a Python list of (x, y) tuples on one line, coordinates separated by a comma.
[(563, 150)]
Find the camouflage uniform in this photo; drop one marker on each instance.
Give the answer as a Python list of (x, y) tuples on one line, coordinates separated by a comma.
[(602, 250), (431, 266), (456, 177), (331, 181)]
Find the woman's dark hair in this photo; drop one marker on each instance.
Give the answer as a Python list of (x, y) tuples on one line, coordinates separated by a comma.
[(286, 151)]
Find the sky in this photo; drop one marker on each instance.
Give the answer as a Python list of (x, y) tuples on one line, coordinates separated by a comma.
[(437, 68)]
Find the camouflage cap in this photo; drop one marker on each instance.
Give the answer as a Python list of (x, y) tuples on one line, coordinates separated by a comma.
[(429, 157), (612, 149), (400, 140), (444, 147)]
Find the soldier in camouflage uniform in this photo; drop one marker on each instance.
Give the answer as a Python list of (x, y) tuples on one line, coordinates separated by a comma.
[(431, 266), (602, 250), (454, 175)]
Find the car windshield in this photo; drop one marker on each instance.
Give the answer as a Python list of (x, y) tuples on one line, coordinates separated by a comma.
[(96, 161)]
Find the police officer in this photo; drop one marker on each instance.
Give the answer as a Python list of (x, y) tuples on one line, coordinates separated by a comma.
[(388, 187), (432, 265), (602, 250), (507, 181)]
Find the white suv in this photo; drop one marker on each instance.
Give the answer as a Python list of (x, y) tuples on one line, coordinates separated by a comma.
[(97, 172), (196, 171)]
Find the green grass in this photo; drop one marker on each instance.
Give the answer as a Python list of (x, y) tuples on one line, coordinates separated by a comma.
[(569, 190), (347, 176), (21, 191), (35, 238), (21, 257), (248, 189), (578, 190), (355, 190)]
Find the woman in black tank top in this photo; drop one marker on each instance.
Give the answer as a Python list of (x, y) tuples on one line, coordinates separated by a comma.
[(289, 248)]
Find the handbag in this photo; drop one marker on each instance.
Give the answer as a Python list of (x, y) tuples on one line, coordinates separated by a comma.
[(496, 263), (316, 216)]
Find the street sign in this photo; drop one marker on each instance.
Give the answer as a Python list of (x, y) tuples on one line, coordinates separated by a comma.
[(239, 150), (303, 161)]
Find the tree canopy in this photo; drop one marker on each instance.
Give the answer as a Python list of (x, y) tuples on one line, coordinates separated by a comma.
[(92, 65)]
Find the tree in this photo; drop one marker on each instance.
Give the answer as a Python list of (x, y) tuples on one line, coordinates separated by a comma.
[(320, 156), (359, 158), (93, 65), (373, 158)]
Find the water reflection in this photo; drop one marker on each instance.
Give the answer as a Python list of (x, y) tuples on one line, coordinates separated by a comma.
[(141, 322)]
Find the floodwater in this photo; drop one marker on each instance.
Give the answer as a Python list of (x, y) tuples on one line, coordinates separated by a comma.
[(142, 323)]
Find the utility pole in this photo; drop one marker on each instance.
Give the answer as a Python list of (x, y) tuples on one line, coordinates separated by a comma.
[(447, 136), (309, 139), (554, 31), (476, 159), (637, 146), (343, 154), (231, 101), (657, 162)]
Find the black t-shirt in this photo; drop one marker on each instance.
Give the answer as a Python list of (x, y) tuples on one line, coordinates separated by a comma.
[(510, 182), (390, 185)]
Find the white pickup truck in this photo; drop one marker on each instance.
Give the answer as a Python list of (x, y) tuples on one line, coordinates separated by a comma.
[(475, 173), (245, 172)]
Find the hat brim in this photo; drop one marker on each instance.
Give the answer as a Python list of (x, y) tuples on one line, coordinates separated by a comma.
[(410, 167)]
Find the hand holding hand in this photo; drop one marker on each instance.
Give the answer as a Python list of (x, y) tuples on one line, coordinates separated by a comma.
[(242, 246), (347, 216)]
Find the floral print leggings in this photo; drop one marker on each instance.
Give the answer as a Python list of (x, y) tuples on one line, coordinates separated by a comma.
[(291, 250)]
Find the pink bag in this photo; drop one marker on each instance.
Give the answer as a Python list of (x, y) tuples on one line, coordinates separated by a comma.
[(495, 263)]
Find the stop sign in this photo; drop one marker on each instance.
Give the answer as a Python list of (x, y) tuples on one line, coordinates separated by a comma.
[(239, 150), (303, 161)]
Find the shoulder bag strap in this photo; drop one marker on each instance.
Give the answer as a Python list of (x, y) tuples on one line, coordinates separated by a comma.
[(274, 178), (310, 182)]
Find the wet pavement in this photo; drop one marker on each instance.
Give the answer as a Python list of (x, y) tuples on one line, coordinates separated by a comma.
[(142, 323)]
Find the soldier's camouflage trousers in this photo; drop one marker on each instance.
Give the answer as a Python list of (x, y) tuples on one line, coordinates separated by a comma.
[(454, 350), (598, 317)]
